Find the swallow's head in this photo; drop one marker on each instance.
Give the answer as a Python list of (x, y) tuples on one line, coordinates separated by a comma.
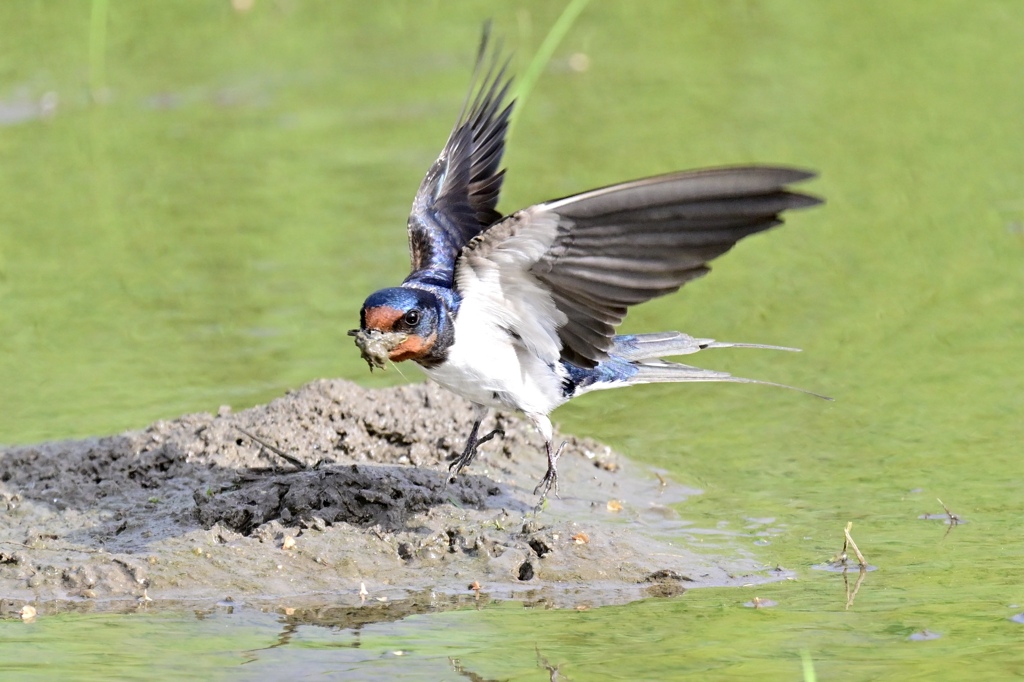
[(397, 324)]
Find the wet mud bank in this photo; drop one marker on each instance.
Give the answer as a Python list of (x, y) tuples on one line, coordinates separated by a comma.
[(362, 522)]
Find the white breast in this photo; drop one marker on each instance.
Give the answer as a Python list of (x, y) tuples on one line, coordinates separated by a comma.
[(487, 365)]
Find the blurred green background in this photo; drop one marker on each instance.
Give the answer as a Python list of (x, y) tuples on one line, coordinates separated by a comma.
[(195, 198)]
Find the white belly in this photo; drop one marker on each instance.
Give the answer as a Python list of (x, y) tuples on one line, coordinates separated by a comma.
[(486, 365)]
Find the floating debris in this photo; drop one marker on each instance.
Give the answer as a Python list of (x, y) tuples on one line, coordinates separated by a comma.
[(759, 603), (923, 636), (840, 563)]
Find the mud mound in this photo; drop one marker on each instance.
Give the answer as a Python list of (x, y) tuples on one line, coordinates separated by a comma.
[(202, 507)]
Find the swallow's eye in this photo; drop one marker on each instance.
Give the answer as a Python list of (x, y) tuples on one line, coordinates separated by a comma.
[(412, 318)]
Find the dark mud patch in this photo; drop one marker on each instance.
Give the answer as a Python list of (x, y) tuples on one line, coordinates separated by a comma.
[(195, 511)]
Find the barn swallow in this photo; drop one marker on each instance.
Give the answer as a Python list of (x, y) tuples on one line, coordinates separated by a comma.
[(519, 312)]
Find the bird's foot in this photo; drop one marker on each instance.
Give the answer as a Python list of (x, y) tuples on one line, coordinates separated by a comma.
[(469, 453), (551, 476)]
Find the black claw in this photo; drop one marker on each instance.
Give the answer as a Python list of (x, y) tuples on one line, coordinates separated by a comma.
[(469, 453), (551, 476), (489, 436)]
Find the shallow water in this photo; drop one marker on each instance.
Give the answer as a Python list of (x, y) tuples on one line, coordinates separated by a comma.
[(206, 234)]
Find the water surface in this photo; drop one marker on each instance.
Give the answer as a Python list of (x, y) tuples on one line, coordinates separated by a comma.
[(196, 220)]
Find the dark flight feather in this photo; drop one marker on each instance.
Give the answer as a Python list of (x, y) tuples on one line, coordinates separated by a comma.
[(458, 198), (625, 244)]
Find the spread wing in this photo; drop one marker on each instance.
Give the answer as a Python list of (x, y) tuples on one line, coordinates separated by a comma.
[(588, 257), (458, 197)]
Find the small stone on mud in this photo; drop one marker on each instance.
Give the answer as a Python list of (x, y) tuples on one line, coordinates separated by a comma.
[(665, 575), (538, 545)]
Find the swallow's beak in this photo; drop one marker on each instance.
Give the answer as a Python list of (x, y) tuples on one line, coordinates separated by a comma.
[(376, 346)]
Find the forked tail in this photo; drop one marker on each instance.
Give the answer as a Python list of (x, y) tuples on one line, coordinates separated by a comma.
[(638, 359)]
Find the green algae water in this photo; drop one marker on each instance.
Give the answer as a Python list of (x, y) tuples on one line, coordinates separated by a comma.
[(195, 201)]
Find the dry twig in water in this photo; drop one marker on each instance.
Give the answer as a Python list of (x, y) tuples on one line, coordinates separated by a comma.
[(848, 543), (849, 539), (953, 518)]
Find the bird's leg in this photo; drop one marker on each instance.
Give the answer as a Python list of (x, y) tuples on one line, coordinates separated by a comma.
[(551, 477), (472, 444)]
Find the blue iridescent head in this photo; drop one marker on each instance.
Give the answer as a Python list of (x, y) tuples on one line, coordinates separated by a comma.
[(398, 324)]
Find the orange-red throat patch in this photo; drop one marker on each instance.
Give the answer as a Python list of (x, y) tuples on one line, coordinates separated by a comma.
[(412, 348)]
